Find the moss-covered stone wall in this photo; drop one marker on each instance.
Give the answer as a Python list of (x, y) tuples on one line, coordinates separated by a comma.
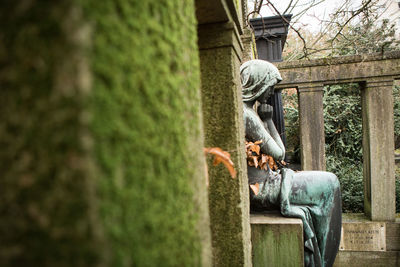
[(100, 131), (220, 52)]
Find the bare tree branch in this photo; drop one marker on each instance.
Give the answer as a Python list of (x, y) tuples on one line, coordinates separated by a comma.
[(288, 7), (288, 23), (357, 12), (335, 32)]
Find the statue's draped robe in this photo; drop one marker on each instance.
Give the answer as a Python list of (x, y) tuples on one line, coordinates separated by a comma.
[(312, 196)]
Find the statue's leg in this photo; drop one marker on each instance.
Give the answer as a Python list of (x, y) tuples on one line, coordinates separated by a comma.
[(320, 192)]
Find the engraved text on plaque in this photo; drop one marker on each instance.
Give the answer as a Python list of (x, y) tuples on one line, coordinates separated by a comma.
[(363, 236)]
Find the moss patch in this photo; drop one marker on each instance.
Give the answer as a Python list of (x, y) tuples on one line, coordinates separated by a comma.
[(45, 199), (146, 127), (100, 134)]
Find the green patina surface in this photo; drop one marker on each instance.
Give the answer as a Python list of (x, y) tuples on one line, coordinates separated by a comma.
[(100, 131), (277, 245)]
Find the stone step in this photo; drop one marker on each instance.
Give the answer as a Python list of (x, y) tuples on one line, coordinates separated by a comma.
[(367, 259), (276, 240)]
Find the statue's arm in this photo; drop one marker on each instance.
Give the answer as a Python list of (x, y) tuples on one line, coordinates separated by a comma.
[(270, 126), (255, 131), (265, 112)]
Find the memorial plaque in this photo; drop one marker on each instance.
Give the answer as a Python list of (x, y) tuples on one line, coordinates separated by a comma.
[(363, 237)]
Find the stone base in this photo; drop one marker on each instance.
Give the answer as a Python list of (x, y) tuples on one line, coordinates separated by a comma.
[(367, 259), (276, 240), (356, 252)]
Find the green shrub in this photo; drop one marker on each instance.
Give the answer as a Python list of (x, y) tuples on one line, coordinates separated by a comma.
[(291, 113), (343, 142), (343, 122), (350, 175), (343, 139)]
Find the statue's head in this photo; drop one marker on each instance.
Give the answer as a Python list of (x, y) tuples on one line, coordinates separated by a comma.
[(258, 78)]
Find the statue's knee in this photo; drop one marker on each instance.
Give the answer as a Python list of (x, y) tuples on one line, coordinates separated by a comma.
[(331, 178), (335, 180)]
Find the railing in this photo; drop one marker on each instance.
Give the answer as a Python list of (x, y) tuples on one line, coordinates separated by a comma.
[(375, 73)]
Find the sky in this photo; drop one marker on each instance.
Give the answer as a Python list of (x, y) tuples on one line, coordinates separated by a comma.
[(308, 20)]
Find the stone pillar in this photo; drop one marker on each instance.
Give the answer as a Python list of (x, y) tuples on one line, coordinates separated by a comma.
[(101, 137), (249, 45), (378, 145), (220, 53), (312, 134)]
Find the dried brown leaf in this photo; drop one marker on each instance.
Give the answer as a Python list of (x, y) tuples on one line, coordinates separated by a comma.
[(272, 164), (255, 161), (222, 156), (255, 149), (263, 161), (256, 188)]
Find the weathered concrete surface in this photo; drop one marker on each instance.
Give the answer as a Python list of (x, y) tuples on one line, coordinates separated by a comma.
[(378, 144), (367, 259), (312, 135), (249, 46), (220, 53), (276, 240), (218, 35), (339, 69), (393, 236), (211, 11)]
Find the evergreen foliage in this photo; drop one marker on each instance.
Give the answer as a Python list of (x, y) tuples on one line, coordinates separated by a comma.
[(343, 138), (292, 123), (365, 36)]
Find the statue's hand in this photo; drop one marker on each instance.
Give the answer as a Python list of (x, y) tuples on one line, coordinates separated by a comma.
[(265, 112)]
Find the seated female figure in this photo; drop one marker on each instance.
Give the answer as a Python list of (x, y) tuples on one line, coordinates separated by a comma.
[(313, 196)]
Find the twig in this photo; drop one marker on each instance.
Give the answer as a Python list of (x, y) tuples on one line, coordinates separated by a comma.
[(288, 23), (352, 16)]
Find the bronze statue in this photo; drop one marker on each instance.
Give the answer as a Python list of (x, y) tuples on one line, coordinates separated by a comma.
[(313, 196)]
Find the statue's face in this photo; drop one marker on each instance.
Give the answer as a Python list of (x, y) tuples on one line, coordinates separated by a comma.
[(266, 95)]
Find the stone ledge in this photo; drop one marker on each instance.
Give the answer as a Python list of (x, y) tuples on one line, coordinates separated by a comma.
[(349, 69), (276, 240), (338, 60), (217, 35), (367, 259), (273, 218)]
